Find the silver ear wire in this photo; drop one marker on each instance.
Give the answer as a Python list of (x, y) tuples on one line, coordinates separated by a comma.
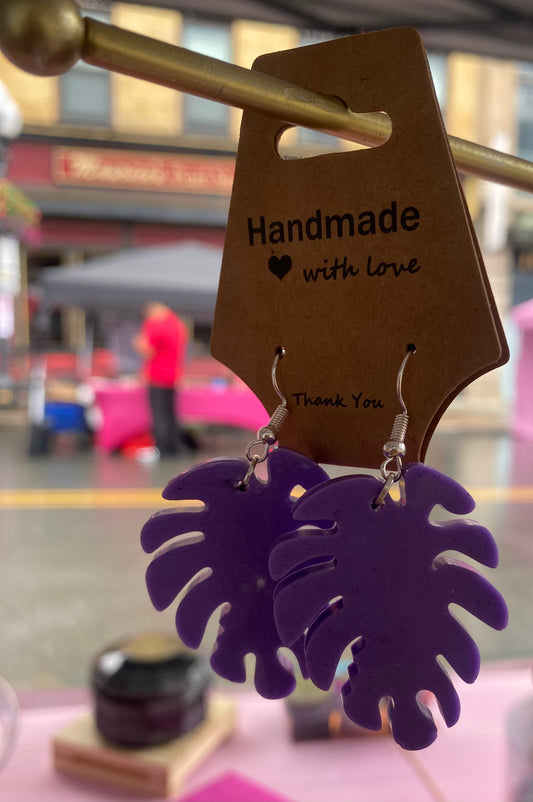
[(394, 448), (280, 353), (269, 433), (258, 450)]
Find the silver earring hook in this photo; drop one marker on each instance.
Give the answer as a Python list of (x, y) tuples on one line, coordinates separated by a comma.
[(400, 377), (280, 353), (258, 450), (394, 448)]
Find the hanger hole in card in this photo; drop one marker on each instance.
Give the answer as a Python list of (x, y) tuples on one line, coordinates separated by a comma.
[(297, 142)]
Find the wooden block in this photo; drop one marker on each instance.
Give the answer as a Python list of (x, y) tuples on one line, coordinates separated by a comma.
[(81, 751)]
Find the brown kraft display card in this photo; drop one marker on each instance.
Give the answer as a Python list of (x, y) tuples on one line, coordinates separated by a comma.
[(348, 258)]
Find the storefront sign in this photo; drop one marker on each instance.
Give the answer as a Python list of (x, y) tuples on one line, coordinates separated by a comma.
[(124, 169)]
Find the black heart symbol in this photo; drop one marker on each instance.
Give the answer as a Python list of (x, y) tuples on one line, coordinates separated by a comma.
[(280, 266)]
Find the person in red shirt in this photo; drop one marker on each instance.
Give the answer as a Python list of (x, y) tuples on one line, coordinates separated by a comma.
[(162, 342)]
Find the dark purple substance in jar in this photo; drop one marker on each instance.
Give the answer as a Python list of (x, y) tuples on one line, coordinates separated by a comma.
[(148, 690)]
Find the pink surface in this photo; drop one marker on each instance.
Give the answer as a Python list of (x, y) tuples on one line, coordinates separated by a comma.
[(233, 787), (523, 315), (468, 763), (125, 410), (522, 419)]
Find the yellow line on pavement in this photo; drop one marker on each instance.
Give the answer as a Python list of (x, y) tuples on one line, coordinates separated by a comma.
[(150, 498), (83, 498), (502, 495)]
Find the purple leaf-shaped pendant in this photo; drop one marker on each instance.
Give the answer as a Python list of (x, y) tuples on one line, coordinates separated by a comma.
[(375, 580), (234, 533)]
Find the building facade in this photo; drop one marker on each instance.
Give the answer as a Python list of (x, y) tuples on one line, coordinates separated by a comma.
[(115, 162)]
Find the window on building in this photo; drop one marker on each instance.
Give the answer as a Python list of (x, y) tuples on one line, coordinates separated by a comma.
[(85, 95), (202, 116), (438, 65), (525, 112)]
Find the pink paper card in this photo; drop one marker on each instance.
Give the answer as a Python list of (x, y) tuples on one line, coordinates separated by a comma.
[(233, 787)]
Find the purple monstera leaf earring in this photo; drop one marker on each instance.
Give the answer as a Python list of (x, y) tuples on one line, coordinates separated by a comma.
[(377, 580), (224, 548)]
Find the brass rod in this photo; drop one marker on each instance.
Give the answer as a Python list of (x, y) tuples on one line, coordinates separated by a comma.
[(142, 57), (169, 65)]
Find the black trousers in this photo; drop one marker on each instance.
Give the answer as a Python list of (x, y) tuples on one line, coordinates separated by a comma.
[(165, 427)]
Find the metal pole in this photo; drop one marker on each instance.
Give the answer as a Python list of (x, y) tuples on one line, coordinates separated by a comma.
[(168, 65), (48, 38)]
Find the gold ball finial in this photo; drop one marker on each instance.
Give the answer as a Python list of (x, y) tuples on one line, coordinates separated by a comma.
[(44, 37)]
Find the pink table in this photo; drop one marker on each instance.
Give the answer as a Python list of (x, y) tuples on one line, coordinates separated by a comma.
[(125, 412), (467, 763)]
